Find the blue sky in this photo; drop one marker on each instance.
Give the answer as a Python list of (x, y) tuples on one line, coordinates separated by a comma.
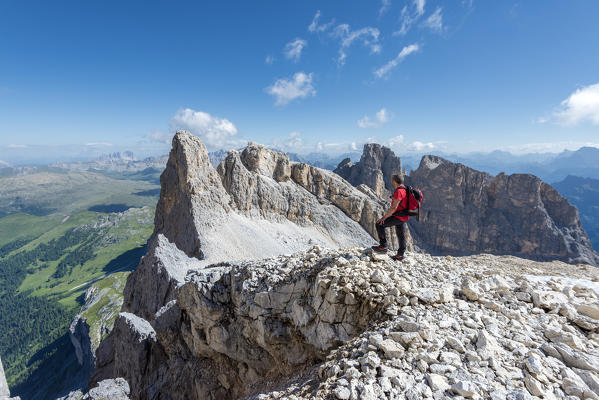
[(327, 76)]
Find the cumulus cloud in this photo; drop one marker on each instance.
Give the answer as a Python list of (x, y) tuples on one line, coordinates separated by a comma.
[(580, 106), (269, 59), (385, 69), (398, 144), (435, 21), (160, 137), (315, 27), (297, 87), (293, 143), (385, 6), (293, 49), (294, 140), (409, 15), (215, 132), (380, 118), (368, 36)]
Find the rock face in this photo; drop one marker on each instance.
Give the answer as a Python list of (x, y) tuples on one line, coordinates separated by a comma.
[(467, 211), (103, 301), (4, 390), (375, 168)]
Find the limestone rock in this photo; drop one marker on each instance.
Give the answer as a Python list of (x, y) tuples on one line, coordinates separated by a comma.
[(466, 211), (113, 389), (4, 391), (376, 166)]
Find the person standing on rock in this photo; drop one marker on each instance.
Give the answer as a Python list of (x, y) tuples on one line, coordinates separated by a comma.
[(391, 218)]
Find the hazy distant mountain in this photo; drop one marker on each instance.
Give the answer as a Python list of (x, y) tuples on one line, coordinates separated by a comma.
[(322, 160), (116, 162), (584, 194), (551, 167), (121, 156)]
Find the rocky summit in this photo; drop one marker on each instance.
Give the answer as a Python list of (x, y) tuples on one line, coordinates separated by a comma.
[(375, 168)]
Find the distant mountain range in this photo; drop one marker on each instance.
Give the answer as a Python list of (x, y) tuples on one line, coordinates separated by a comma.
[(584, 194), (550, 167)]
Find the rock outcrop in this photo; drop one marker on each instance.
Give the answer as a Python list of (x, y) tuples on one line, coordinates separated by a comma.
[(467, 211), (103, 302), (4, 390), (351, 324), (375, 168)]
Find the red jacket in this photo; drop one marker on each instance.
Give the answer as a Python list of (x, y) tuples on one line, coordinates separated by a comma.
[(403, 201)]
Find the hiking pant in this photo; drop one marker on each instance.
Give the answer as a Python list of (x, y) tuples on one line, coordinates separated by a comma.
[(400, 229)]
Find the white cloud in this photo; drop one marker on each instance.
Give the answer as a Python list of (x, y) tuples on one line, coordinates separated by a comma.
[(98, 144), (160, 137), (385, 6), (314, 27), (381, 117), (385, 69), (269, 59), (293, 49), (294, 140), (292, 143), (435, 21), (580, 106), (287, 90), (215, 132), (368, 36), (420, 146), (547, 147), (398, 144), (409, 17)]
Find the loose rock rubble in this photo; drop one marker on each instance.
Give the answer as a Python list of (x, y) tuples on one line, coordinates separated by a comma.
[(352, 324)]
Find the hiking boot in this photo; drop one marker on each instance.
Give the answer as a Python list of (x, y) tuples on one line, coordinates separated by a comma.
[(379, 248), (397, 257)]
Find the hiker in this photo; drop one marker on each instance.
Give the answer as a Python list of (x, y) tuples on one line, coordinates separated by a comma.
[(394, 217)]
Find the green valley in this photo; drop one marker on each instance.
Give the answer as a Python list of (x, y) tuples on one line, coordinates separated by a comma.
[(62, 231)]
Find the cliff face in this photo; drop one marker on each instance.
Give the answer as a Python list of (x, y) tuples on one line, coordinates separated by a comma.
[(375, 168), (467, 211)]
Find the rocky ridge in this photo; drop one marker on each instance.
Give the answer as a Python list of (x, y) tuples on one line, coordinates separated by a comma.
[(257, 205)]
